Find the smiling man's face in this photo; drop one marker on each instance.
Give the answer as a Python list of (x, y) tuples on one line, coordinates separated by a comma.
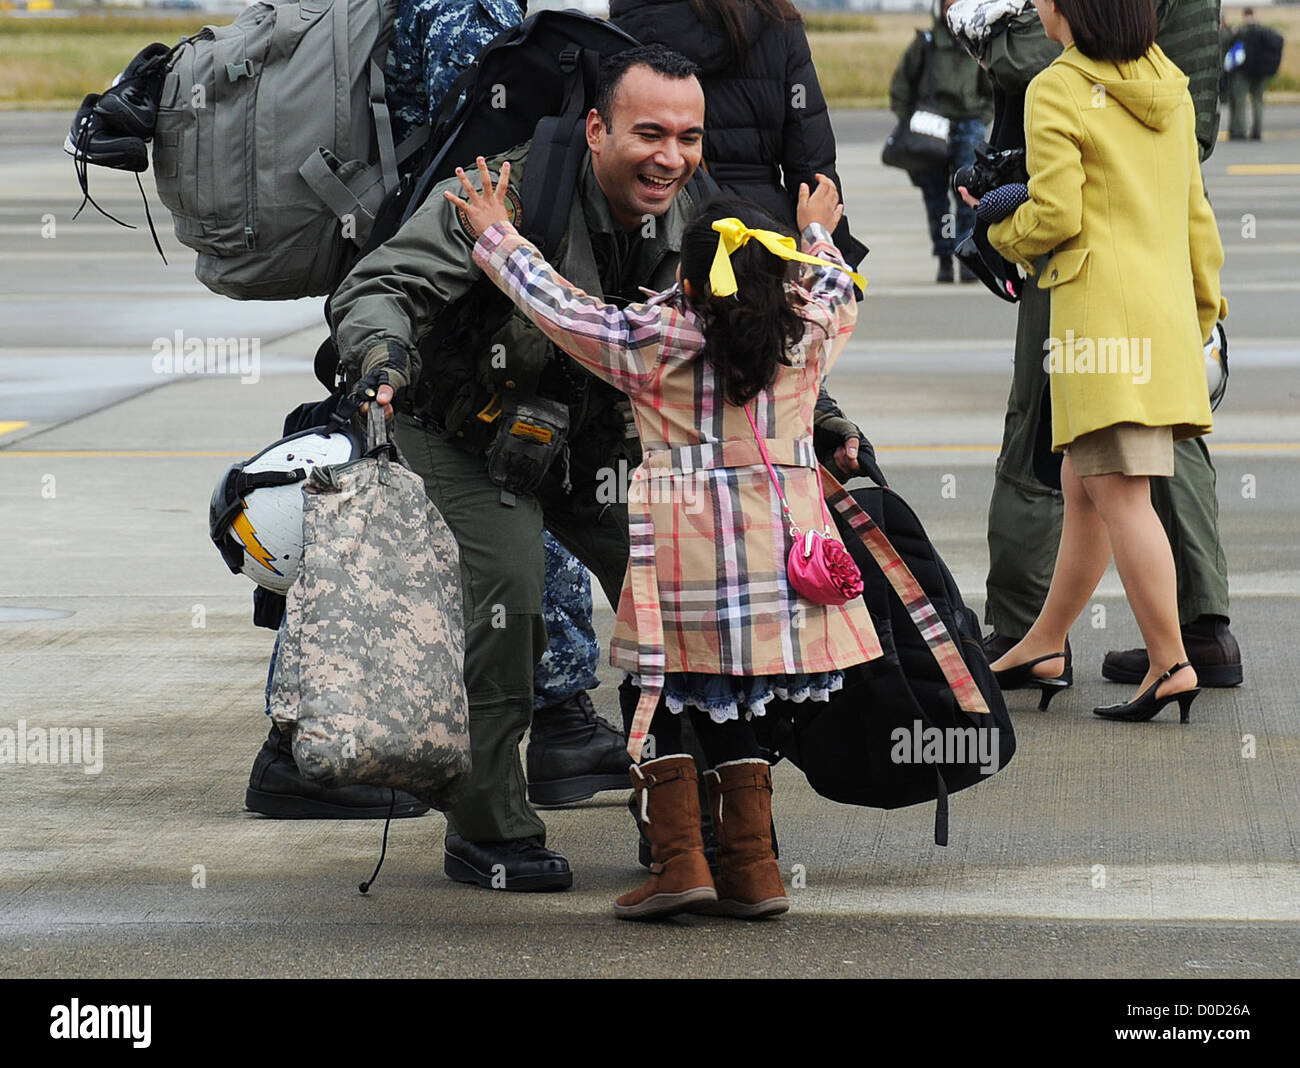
[(651, 146)]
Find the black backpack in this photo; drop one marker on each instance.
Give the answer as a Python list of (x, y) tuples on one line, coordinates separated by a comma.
[(1263, 52), (849, 747), (535, 82)]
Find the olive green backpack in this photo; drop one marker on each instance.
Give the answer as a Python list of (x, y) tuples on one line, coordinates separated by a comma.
[(274, 147)]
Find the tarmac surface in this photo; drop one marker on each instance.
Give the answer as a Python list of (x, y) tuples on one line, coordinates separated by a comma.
[(1104, 849)]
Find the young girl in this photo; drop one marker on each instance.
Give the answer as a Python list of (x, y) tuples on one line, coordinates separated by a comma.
[(1115, 198), (707, 613)]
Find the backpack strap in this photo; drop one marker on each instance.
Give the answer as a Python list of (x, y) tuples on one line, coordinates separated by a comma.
[(702, 186), (439, 134), (455, 96), (940, 809), (923, 614), (557, 151), (414, 141), (383, 127), (919, 607), (329, 188), (929, 68), (379, 111), (316, 171)]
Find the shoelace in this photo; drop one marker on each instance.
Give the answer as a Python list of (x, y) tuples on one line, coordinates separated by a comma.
[(383, 849), (81, 164), (81, 146)]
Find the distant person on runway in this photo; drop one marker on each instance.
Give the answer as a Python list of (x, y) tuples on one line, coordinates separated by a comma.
[(1252, 58), (936, 74)]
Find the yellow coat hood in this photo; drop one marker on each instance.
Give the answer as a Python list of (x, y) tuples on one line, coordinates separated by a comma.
[(1151, 88)]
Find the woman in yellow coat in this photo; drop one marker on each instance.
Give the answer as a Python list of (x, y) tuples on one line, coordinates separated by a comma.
[(1116, 222)]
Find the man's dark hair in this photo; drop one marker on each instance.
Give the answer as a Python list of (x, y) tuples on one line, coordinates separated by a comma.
[(657, 57), (1118, 30)]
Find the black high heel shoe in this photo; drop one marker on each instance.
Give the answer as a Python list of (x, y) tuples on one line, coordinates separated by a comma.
[(1022, 675), (1146, 704)]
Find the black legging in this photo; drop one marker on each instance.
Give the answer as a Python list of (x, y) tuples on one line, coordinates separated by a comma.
[(721, 742)]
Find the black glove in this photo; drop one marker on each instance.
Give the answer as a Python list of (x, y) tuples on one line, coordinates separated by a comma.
[(831, 429), (385, 364)]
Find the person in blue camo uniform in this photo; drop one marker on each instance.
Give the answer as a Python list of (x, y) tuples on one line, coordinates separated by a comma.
[(434, 43)]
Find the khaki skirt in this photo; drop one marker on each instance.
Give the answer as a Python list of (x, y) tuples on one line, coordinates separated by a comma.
[(1124, 449)]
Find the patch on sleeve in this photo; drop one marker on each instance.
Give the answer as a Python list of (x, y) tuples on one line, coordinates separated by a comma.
[(514, 210)]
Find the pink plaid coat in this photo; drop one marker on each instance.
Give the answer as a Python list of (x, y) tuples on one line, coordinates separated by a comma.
[(706, 588)]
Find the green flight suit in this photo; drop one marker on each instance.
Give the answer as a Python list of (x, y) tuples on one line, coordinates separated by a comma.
[(395, 294)]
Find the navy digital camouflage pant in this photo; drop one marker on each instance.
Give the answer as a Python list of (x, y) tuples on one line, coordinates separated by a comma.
[(568, 667)]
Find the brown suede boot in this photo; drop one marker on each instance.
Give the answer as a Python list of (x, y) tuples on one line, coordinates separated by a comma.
[(740, 802), (667, 796)]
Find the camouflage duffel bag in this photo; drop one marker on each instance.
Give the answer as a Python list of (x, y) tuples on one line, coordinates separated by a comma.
[(369, 680)]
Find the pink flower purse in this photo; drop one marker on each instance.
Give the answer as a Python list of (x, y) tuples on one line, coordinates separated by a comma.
[(820, 568)]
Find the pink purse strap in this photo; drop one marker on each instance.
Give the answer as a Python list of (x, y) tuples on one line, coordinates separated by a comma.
[(785, 507)]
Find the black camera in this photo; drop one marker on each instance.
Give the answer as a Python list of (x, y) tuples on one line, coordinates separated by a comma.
[(990, 170)]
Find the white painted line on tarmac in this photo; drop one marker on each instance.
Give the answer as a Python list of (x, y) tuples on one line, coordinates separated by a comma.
[(1190, 890)]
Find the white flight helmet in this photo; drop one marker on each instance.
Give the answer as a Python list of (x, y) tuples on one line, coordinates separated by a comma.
[(255, 518), (1216, 365)]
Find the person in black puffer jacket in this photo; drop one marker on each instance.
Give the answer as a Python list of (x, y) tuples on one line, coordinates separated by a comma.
[(767, 128)]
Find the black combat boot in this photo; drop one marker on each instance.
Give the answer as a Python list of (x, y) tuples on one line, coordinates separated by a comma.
[(523, 865), (573, 754), (278, 789), (1211, 649), (945, 269)]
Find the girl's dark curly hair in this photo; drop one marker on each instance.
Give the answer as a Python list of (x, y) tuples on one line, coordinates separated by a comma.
[(747, 335)]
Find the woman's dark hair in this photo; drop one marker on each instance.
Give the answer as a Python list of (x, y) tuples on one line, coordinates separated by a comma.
[(731, 15), (749, 334), (1117, 30)]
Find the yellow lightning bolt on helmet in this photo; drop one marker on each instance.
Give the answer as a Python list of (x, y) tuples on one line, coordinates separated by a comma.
[(255, 517)]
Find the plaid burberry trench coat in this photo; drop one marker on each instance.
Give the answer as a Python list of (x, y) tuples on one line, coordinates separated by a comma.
[(706, 588)]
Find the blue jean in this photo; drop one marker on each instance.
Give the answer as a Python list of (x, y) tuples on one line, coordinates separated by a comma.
[(947, 230)]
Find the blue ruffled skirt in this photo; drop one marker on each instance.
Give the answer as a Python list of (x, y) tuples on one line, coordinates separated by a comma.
[(724, 696)]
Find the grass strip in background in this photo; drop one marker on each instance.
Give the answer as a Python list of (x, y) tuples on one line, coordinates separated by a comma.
[(54, 62)]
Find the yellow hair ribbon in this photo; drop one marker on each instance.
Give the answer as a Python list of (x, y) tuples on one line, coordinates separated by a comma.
[(734, 234)]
